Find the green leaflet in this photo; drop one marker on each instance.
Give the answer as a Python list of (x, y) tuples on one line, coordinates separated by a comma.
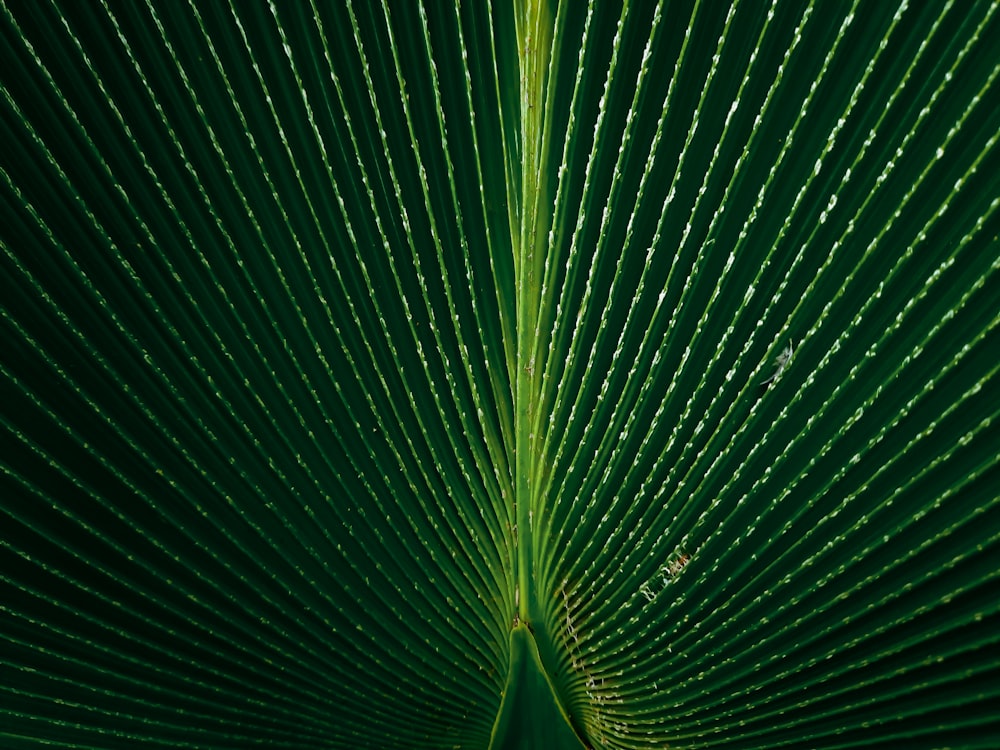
[(398, 374)]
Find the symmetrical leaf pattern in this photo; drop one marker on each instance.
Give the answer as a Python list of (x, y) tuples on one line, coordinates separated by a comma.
[(359, 358)]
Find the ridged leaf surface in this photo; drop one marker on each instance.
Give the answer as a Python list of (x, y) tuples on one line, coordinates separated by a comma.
[(512, 374)]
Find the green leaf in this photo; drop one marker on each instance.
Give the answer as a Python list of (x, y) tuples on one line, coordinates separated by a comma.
[(511, 374)]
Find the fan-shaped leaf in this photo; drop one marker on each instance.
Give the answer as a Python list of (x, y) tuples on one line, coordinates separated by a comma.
[(513, 374)]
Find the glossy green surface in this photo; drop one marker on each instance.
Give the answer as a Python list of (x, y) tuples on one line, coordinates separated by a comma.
[(346, 345)]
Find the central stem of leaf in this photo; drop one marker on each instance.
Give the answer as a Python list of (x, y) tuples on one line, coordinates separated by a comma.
[(534, 32)]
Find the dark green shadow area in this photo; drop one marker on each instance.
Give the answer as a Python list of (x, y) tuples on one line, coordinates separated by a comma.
[(530, 717)]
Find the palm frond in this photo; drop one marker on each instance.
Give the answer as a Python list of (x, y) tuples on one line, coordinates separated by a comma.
[(504, 374)]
